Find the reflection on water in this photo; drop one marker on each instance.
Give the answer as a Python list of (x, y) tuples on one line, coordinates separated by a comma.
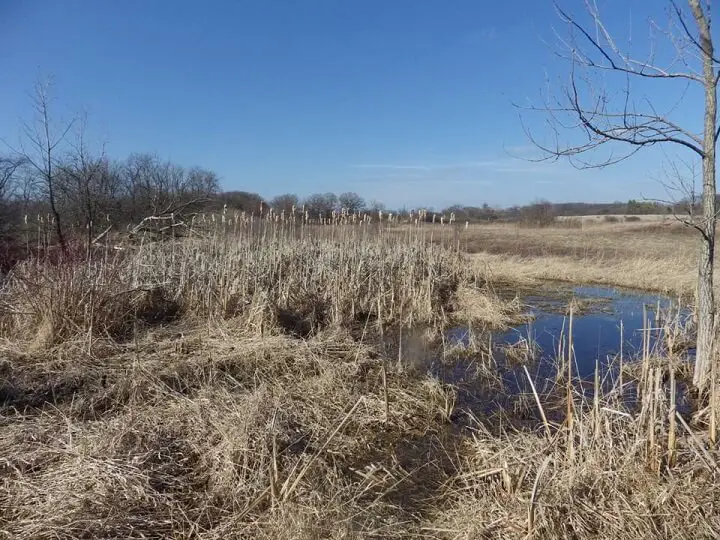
[(610, 317), (603, 319), (606, 322)]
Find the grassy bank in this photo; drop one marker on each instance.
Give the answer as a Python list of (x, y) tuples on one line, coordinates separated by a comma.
[(264, 381), (635, 255)]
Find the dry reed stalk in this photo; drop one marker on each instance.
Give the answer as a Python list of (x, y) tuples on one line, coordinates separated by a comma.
[(548, 433), (622, 343), (385, 393), (672, 429), (568, 390), (596, 399), (534, 496)]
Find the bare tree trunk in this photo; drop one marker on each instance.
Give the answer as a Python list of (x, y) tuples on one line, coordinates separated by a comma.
[(705, 292), (55, 213), (49, 178)]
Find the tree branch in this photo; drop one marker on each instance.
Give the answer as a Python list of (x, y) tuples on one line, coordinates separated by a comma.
[(628, 63)]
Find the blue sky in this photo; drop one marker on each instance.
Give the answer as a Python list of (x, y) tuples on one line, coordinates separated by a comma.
[(404, 101)]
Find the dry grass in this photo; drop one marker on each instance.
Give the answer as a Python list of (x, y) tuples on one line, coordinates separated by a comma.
[(238, 385), (225, 387), (262, 438), (519, 484), (636, 255)]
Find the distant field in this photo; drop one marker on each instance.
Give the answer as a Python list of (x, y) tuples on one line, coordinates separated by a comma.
[(622, 217), (654, 254)]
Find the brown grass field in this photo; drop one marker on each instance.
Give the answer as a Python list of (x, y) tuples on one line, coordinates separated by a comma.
[(642, 255), (252, 381)]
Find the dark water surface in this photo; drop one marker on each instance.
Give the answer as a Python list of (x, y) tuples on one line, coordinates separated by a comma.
[(605, 318), (612, 317), (608, 321)]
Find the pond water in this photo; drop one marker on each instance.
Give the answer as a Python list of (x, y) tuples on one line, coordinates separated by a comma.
[(607, 322), (611, 323)]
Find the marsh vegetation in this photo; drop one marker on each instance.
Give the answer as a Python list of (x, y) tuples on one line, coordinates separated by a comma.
[(271, 378)]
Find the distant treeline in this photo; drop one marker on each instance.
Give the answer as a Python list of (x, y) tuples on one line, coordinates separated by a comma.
[(57, 190), (55, 184), (80, 195)]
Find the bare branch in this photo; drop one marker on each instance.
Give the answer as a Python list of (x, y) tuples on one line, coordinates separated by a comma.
[(616, 60), (603, 118), (686, 29)]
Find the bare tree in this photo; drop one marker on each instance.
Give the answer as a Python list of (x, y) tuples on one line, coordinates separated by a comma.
[(321, 204), (40, 148), (376, 206), (85, 186), (285, 203), (10, 183), (154, 188), (199, 183), (585, 106), (538, 214), (352, 202), (9, 167)]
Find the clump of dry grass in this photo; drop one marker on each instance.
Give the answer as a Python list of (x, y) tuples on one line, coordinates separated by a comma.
[(259, 439), (483, 305), (519, 484), (47, 304), (611, 469), (265, 283)]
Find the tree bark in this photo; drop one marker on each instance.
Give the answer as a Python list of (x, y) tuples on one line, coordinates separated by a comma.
[(49, 146), (56, 214), (705, 291)]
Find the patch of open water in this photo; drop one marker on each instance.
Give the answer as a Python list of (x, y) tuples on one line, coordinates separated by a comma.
[(609, 322)]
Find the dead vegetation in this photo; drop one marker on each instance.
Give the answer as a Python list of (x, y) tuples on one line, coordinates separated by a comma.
[(648, 256), (240, 385), (261, 438)]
